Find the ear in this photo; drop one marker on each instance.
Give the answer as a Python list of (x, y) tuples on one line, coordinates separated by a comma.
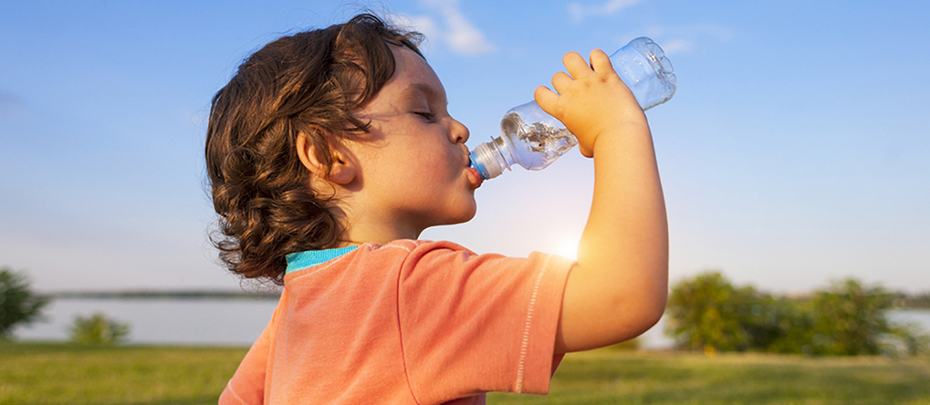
[(343, 170)]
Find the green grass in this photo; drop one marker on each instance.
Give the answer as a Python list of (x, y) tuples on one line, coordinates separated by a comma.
[(39, 373), (604, 377), (34, 373)]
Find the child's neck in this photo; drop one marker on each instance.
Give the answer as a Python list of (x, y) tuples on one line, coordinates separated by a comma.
[(362, 232)]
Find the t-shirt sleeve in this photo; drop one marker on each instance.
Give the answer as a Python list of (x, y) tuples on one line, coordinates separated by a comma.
[(478, 323), (247, 386)]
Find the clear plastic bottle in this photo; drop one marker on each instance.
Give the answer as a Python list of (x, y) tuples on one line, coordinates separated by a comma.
[(533, 139)]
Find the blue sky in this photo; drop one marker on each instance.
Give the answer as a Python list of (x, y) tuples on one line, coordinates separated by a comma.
[(795, 151)]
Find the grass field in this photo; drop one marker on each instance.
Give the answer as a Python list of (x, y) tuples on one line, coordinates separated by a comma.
[(34, 373)]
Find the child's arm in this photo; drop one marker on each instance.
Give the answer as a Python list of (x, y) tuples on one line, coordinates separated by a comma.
[(618, 288)]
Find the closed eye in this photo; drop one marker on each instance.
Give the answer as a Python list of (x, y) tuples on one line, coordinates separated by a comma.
[(426, 115)]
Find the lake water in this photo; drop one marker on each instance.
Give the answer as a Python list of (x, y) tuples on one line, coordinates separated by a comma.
[(162, 321), (234, 322)]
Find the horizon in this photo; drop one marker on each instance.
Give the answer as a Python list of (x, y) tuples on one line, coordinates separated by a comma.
[(267, 289)]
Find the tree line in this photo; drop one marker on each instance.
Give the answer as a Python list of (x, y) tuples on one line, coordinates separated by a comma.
[(708, 313)]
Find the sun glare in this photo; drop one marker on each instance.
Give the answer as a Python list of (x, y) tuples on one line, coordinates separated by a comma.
[(567, 247)]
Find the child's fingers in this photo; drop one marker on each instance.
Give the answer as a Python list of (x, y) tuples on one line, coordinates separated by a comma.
[(561, 81), (547, 99), (600, 62), (575, 64)]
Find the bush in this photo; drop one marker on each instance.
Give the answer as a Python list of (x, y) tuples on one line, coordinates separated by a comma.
[(710, 314), (850, 319), (704, 314), (18, 304), (98, 329)]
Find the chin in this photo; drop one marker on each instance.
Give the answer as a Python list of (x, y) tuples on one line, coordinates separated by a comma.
[(465, 215), (472, 210), (467, 218)]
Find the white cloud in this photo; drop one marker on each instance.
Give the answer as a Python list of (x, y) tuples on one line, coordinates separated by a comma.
[(422, 24), (579, 11), (687, 38), (453, 29), (464, 37), (673, 46)]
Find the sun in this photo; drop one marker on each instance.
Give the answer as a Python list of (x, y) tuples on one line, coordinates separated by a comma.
[(567, 246)]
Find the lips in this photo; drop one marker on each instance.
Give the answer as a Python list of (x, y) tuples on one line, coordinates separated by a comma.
[(474, 178)]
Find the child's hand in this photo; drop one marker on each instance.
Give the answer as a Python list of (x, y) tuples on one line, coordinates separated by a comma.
[(591, 99)]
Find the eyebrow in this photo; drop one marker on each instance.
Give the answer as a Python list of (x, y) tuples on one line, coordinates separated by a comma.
[(415, 89)]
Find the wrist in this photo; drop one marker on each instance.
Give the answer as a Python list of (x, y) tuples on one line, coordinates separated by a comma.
[(619, 137)]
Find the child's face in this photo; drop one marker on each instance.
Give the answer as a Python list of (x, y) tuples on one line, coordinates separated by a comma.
[(415, 171)]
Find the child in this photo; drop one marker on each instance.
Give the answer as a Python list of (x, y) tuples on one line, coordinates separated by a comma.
[(331, 150)]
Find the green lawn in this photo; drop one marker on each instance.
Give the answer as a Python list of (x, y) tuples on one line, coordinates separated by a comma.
[(605, 377), (67, 374), (33, 373)]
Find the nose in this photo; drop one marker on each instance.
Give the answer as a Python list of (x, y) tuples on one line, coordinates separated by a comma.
[(458, 132)]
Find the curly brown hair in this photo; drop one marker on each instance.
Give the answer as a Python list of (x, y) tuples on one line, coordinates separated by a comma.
[(306, 84)]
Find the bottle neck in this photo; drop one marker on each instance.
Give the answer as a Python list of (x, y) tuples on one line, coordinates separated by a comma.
[(491, 158)]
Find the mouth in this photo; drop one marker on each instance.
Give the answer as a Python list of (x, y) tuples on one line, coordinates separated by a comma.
[(474, 178)]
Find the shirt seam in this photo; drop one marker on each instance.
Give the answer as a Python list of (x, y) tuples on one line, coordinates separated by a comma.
[(400, 332), (521, 368), (235, 395)]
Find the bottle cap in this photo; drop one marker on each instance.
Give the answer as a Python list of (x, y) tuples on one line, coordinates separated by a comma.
[(484, 161)]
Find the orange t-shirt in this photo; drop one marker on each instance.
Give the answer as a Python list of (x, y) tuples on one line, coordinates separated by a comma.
[(410, 322)]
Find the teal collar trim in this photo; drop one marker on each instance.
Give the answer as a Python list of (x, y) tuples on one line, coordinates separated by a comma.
[(309, 258)]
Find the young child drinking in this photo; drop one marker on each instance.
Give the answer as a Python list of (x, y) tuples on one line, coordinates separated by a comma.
[(331, 150)]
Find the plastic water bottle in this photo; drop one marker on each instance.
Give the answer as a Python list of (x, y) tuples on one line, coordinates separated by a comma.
[(533, 139)]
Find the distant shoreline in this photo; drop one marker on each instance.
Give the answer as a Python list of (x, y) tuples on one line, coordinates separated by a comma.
[(174, 295), (900, 301)]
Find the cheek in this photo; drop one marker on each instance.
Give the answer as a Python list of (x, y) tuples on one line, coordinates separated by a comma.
[(436, 160)]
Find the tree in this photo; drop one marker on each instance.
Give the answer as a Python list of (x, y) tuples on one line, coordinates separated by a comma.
[(18, 304), (704, 314), (98, 329), (850, 319), (708, 313)]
